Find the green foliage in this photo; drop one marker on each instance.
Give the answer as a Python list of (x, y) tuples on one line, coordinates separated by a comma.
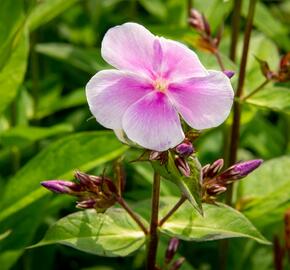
[(48, 51), (273, 98), (111, 234), (267, 191), (23, 194), (189, 186), (12, 72), (188, 225)]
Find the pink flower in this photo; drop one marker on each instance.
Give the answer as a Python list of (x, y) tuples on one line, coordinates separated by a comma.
[(155, 81)]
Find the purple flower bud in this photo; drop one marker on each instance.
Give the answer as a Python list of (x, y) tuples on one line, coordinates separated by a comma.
[(212, 170), (182, 166), (171, 249), (196, 20), (229, 73), (86, 204), (89, 181), (60, 186), (177, 264), (240, 170), (184, 149), (215, 189)]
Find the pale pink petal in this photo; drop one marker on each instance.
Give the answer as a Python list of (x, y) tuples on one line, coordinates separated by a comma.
[(130, 47), (111, 92), (203, 102), (179, 61), (153, 123)]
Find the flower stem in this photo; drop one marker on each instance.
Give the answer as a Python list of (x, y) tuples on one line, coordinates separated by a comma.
[(133, 215), (261, 86), (235, 28), (153, 233), (173, 210), (219, 60), (235, 130)]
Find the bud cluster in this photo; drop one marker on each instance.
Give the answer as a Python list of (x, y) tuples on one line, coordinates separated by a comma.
[(182, 152), (283, 73), (201, 25), (97, 192), (215, 182)]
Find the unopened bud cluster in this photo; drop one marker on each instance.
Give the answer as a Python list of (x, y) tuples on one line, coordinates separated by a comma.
[(283, 73), (183, 151), (215, 182), (97, 192)]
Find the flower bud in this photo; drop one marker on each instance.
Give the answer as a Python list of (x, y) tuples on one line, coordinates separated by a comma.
[(182, 166), (229, 73), (215, 189), (171, 249), (212, 170), (86, 204), (89, 181), (240, 170), (177, 264), (184, 149), (60, 186), (196, 20)]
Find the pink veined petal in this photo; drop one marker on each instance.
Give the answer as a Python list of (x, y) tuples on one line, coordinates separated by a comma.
[(179, 61), (111, 92), (130, 47), (153, 122), (203, 102)]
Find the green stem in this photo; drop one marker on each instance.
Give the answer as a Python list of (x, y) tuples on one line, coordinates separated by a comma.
[(133, 215), (256, 90), (153, 233), (235, 28), (172, 210), (235, 130)]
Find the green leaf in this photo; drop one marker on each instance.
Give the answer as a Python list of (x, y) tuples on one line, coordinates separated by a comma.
[(189, 186), (75, 98), (266, 190), (113, 233), (12, 20), (273, 98), (20, 136), (12, 73), (46, 10), (268, 24), (81, 151), (155, 7), (24, 198), (88, 60), (215, 11), (219, 222), (264, 49)]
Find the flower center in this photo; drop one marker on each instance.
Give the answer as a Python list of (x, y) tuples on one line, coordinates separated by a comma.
[(160, 85)]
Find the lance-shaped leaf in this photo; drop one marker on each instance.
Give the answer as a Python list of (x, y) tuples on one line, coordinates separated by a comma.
[(272, 98), (109, 234), (219, 222), (189, 186)]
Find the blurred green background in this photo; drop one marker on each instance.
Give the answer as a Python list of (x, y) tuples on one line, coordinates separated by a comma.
[(49, 49)]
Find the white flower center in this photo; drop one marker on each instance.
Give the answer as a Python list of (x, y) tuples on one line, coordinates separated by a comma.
[(160, 85)]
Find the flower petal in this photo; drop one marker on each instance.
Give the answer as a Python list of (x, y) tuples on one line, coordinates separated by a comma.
[(111, 92), (179, 61), (153, 123), (203, 102), (130, 47)]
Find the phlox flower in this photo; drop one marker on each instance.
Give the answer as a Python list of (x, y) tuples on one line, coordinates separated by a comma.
[(156, 81)]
